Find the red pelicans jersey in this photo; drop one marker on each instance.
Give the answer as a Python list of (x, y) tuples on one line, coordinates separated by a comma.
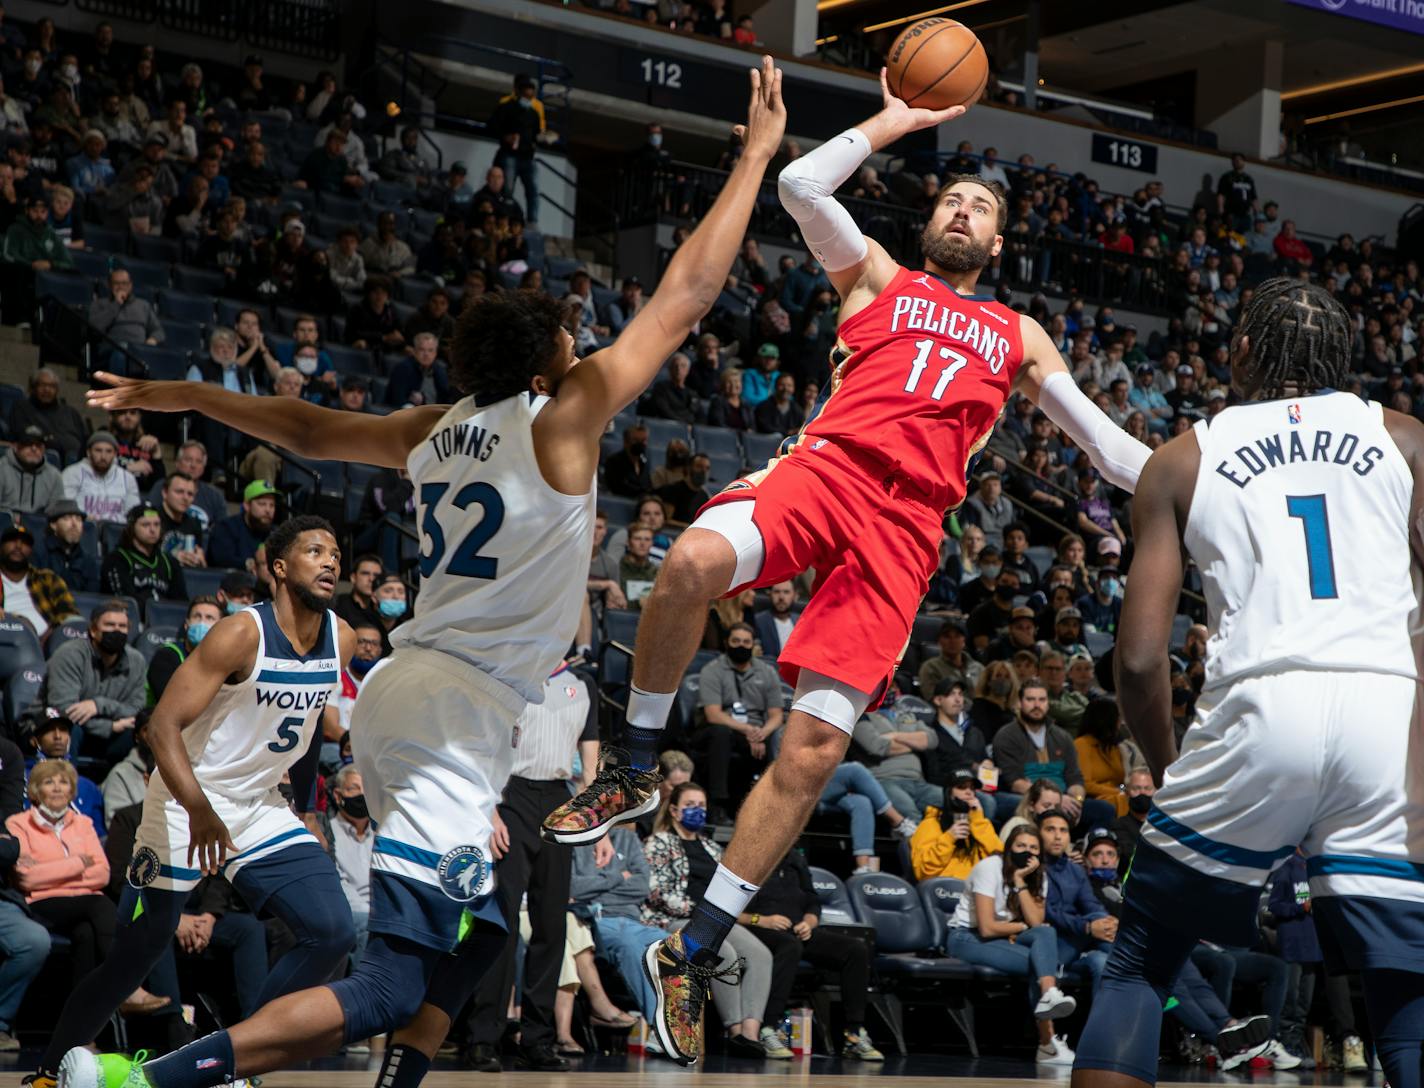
[(920, 377)]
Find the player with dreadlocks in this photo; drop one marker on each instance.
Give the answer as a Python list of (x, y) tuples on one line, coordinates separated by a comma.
[(1302, 508)]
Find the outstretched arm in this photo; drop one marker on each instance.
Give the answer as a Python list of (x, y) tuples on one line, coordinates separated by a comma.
[(601, 385), (1046, 381), (296, 425), (1144, 635), (807, 190)]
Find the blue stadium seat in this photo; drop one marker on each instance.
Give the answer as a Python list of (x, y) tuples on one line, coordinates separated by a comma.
[(620, 625), (391, 192), (716, 442), (761, 448), (1180, 625), (22, 669), (164, 363), (183, 335), (87, 602), (1098, 642), (154, 247), (836, 907), (620, 511), (404, 312), (198, 281), (150, 273), (345, 208), (92, 265), (229, 308), (204, 581), (1042, 557), (166, 614), (71, 290), (153, 639), (350, 360), (725, 470), (182, 306), (940, 897), (663, 431), (68, 631), (305, 198), (105, 240)]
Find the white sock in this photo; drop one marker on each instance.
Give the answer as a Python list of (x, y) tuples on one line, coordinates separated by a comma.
[(649, 709), (729, 892)]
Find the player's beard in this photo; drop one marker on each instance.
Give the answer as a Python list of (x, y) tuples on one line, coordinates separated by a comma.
[(308, 598), (954, 252)]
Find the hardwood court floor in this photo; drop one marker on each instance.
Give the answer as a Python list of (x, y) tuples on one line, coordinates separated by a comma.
[(920, 1071)]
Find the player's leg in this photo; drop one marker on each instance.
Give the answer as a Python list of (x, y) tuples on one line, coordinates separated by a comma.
[(299, 885), (1367, 897), (1216, 831), (147, 919)]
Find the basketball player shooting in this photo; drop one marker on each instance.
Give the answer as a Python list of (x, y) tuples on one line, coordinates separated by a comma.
[(505, 480), (921, 371), (1302, 510)]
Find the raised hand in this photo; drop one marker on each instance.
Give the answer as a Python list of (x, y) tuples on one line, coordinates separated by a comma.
[(766, 115), (912, 118)]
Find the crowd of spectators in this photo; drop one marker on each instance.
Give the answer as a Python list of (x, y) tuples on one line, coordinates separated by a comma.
[(121, 551)]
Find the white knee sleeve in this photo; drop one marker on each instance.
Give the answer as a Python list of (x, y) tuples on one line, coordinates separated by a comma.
[(732, 521), (830, 700)]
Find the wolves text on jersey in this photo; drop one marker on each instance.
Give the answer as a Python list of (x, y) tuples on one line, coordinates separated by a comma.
[(465, 438), (1275, 450), (915, 314), (293, 700)]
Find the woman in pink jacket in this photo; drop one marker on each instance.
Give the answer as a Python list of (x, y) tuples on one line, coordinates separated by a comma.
[(63, 871), (62, 868)]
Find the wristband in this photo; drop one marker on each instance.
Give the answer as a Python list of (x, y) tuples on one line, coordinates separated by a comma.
[(756, 919)]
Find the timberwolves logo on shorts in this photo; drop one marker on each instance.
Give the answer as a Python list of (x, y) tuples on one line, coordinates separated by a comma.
[(143, 869), (463, 871)]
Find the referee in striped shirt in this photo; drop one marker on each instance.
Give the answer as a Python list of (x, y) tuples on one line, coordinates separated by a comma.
[(550, 736)]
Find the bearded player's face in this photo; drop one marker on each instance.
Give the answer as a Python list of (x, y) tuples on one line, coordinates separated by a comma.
[(963, 234)]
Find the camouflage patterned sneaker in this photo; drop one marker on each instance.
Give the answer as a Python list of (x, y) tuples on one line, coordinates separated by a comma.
[(82, 1068), (682, 988), (618, 795)]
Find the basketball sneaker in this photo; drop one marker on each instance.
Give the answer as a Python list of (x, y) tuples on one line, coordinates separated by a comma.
[(39, 1080), (681, 987), (81, 1068), (1243, 1040), (616, 795)]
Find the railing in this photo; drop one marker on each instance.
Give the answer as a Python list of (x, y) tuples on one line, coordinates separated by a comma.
[(307, 28), (65, 331)]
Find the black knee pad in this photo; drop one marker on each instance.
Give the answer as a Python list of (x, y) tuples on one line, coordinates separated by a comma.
[(388, 987)]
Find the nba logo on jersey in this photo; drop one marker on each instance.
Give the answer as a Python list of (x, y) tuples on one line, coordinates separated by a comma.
[(1293, 411)]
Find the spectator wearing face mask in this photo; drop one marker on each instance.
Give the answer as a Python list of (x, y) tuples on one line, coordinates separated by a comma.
[(369, 650), (350, 835), (391, 604), (687, 496), (975, 592), (203, 615), (1138, 790), (1102, 608), (49, 735), (993, 621)]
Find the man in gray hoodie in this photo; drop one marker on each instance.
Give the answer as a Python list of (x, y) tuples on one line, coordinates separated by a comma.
[(609, 895), (104, 490), (28, 483)]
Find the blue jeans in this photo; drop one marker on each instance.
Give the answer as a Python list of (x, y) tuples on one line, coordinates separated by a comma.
[(24, 943), (622, 942), (854, 791), (514, 166), (1093, 955), (244, 939), (1033, 954)]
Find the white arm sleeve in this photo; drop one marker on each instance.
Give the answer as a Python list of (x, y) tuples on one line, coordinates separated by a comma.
[(807, 187), (1117, 455)]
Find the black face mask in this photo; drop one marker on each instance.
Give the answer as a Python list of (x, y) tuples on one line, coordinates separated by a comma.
[(285, 789), (739, 655), (112, 642), (354, 806), (1181, 696), (1004, 593), (1019, 858), (1139, 804), (638, 449)]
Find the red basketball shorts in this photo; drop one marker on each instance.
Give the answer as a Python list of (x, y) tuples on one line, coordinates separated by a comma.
[(874, 543)]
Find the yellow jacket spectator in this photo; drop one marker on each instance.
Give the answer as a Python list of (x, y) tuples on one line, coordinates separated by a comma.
[(950, 844)]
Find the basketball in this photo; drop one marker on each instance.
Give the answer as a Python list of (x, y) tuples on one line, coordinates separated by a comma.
[(935, 64)]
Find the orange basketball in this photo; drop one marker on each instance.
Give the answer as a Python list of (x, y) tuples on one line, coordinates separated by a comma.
[(937, 63)]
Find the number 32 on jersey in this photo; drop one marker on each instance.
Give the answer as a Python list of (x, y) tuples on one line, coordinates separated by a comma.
[(953, 364), (466, 561)]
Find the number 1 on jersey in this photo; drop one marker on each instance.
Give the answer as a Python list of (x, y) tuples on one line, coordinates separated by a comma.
[(1319, 556), (954, 364)]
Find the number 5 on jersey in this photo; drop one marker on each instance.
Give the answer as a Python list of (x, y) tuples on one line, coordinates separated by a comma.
[(954, 363), (466, 562)]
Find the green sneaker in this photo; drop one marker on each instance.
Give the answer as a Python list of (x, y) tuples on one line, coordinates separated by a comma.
[(82, 1068)]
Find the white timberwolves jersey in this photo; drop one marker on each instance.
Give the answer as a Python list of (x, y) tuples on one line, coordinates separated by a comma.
[(254, 730), (1300, 525), (503, 556)]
